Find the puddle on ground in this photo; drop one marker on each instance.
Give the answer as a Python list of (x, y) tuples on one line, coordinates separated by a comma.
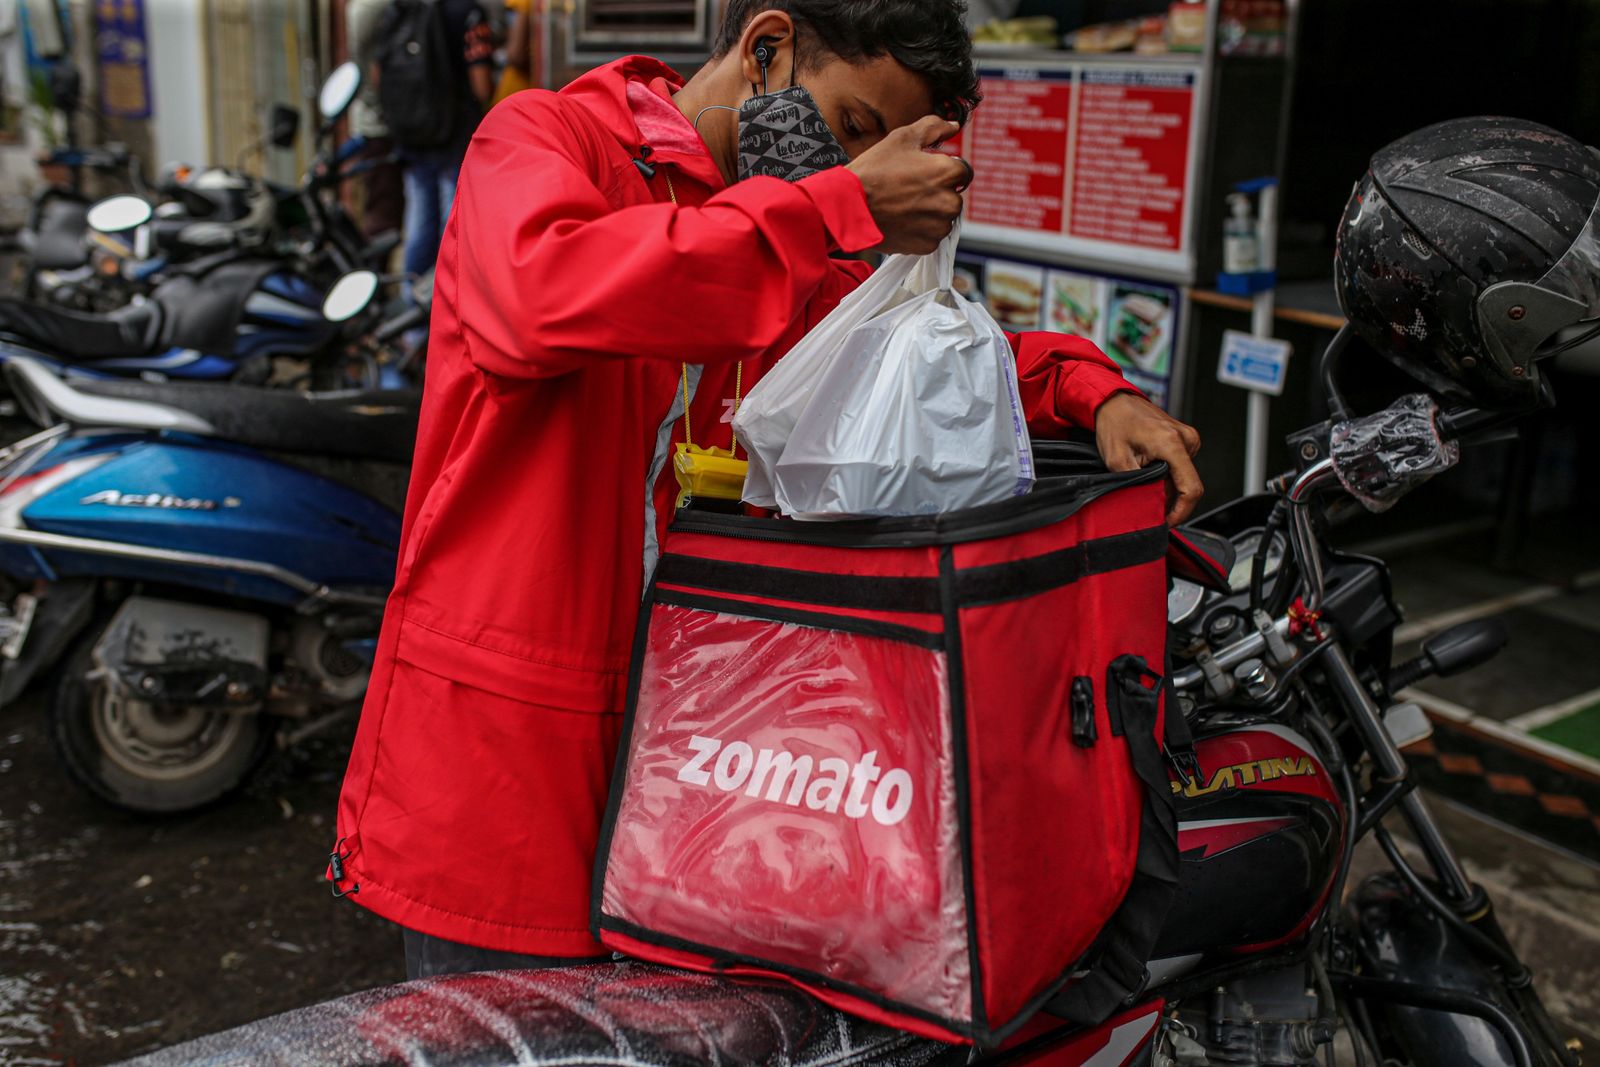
[(120, 935)]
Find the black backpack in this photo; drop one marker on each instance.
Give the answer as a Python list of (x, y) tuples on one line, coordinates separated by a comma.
[(420, 87)]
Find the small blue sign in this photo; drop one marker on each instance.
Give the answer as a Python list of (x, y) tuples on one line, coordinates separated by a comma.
[(1257, 363)]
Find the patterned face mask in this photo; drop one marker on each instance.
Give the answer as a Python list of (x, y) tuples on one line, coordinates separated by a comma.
[(783, 135)]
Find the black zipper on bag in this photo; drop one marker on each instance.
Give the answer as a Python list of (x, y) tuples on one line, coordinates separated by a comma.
[(1053, 503)]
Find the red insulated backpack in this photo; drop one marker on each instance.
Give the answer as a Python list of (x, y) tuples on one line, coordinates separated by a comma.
[(911, 765)]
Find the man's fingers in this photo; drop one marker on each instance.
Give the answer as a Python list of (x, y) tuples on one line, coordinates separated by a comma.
[(1187, 487), (965, 178), (932, 131), (1119, 457), (1191, 438)]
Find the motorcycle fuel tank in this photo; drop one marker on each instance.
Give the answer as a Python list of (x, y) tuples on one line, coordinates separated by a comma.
[(206, 498), (1259, 834)]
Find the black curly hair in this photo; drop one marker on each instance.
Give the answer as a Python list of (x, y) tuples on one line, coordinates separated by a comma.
[(927, 37)]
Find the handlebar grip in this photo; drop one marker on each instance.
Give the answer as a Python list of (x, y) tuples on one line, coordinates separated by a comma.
[(409, 320), (1457, 423)]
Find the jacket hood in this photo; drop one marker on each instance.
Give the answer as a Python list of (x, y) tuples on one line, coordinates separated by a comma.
[(604, 92)]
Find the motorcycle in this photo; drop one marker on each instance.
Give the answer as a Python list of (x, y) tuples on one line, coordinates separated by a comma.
[(57, 263), (123, 248), (1282, 665), (208, 562)]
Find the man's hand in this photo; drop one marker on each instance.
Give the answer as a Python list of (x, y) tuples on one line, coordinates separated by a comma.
[(1132, 433), (913, 193)]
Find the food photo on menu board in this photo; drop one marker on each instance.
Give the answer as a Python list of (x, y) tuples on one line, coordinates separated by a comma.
[(1076, 305), (1139, 328), (1016, 294)]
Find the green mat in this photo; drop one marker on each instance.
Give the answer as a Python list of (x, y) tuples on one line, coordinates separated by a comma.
[(1579, 731)]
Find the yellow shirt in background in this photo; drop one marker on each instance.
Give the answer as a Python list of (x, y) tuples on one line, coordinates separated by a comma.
[(512, 79)]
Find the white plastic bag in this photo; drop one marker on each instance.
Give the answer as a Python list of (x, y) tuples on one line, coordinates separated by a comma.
[(903, 401)]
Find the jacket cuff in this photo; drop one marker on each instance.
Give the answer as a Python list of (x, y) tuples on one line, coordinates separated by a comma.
[(842, 202), (1081, 392)]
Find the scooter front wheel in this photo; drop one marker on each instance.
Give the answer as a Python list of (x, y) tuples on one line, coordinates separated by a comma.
[(141, 756)]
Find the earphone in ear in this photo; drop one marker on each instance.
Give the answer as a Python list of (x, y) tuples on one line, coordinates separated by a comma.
[(764, 56)]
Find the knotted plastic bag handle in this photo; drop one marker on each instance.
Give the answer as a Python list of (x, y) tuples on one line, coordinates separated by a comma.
[(936, 272)]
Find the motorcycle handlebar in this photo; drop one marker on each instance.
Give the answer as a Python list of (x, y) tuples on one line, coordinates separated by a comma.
[(408, 320)]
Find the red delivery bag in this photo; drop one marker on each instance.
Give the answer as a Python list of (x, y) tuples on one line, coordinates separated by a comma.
[(909, 764)]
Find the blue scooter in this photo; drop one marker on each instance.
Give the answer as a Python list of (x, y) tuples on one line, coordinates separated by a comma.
[(208, 563)]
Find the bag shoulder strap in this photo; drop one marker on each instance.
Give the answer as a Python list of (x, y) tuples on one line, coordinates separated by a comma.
[(1116, 967)]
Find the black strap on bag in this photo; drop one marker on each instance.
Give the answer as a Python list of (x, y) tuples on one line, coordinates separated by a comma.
[(1178, 745), (1115, 972)]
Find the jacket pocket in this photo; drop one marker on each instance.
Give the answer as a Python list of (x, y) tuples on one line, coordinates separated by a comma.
[(507, 673), (485, 811)]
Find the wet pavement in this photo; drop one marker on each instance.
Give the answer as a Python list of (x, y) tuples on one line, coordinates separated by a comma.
[(121, 934)]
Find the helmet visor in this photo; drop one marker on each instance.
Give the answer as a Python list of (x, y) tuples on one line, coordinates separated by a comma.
[(1576, 275), (1524, 322)]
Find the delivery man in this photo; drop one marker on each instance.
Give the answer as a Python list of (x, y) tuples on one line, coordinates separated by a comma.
[(608, 254)]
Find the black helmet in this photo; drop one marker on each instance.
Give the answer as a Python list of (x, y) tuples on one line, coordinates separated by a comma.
[(1467, 247)]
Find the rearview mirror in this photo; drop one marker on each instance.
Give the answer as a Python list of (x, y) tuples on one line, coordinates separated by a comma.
[(339, 91), (119, 213), (350, 296), (284, 123)]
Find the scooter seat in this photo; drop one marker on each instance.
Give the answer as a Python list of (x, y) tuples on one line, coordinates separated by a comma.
[(377, 425), (76, 337)]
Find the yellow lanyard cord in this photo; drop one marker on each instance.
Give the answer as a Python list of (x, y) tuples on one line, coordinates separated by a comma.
[(738, 374)]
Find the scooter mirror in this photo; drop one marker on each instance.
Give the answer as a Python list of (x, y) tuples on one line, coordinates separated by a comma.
[(339, 91), (350, 296), (119, 213)]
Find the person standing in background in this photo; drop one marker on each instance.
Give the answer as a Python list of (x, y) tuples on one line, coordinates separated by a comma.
[(519, 73), (382, 187), (434, 76)]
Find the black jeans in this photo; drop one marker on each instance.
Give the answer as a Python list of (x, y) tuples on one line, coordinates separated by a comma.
[(427, 956)]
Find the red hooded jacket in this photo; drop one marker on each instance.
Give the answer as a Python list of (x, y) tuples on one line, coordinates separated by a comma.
[(570, 291)]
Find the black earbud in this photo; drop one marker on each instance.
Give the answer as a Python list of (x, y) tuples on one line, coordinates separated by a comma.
[(764, 56)]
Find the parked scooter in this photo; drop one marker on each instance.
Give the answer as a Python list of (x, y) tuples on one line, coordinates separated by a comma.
[(208, 562)]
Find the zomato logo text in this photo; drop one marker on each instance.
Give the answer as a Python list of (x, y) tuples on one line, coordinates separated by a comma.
[(862, 788)]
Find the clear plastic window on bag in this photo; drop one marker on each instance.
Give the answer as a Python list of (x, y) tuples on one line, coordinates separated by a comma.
[(790, 798)]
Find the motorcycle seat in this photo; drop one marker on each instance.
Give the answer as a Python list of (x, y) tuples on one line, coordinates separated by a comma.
[(378, 425), (373, 425), (609, 1013), (78, 337)]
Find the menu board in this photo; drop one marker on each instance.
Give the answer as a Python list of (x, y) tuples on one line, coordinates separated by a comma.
[(1132, 320), (1132, 156), (1092, 160), (1023, 149)]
